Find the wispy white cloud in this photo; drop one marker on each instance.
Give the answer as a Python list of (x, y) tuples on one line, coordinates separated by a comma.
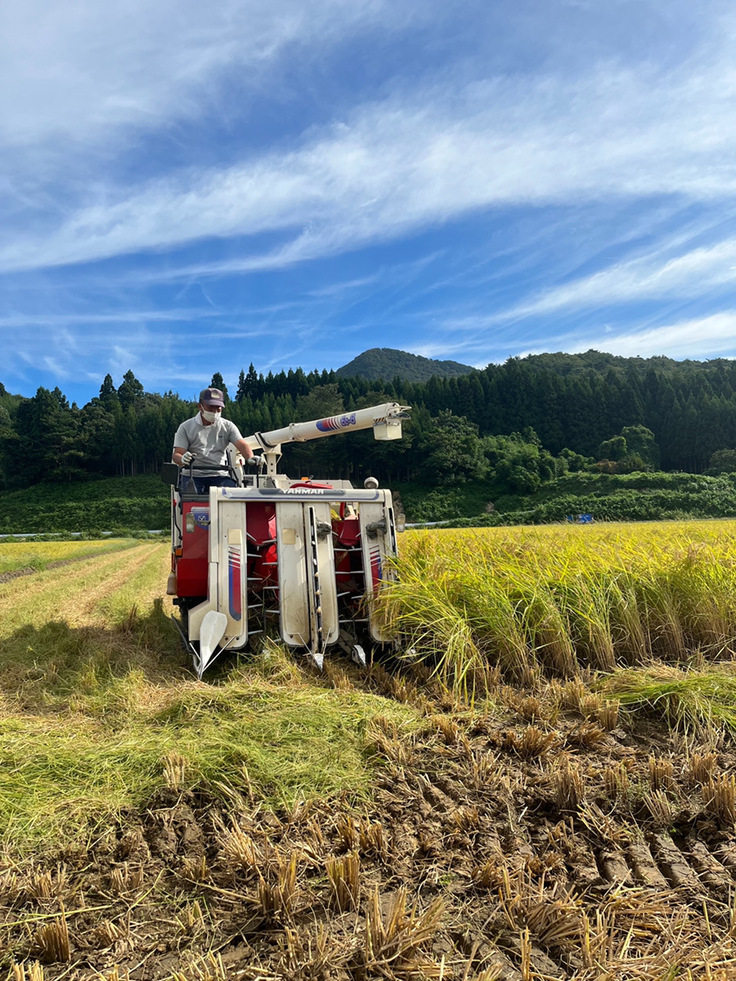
[(94, 320), (695, 273), (413, 159), (685, 339), (135, 132), (82, 70)]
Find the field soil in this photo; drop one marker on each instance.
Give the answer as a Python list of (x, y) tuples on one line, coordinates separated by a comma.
[(539, 836)]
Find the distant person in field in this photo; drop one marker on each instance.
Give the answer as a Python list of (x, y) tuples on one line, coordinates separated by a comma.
[(204, 440)]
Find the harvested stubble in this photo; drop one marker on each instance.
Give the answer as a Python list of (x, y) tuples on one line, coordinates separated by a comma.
[(563, 598)]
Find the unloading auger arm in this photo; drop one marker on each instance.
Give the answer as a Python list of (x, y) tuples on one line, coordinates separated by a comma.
[(385, 421)]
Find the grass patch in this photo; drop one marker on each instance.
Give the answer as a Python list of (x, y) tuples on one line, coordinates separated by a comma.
[(60, 775), (89, 506), (688, 699), (96, 700)]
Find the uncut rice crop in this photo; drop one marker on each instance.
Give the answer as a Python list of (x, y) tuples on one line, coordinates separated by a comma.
[(16, 555), (564, 598)]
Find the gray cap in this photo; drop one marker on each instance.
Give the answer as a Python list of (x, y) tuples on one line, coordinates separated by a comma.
[(211, 396)]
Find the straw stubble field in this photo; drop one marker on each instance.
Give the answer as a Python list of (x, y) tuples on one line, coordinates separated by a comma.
[(540, 784)]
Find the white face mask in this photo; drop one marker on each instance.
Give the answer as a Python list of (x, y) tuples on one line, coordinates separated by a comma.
[(209, 416)]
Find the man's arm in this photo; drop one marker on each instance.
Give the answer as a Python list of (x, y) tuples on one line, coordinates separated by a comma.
[(178, 453), (242, 447)]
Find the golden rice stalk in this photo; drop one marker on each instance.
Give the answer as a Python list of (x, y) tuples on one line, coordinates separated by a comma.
[(574, 695), (28, 972), (616, 782), (392, 943), (109, 933), (307, 954), (175, 769), (547, 629), (532, 744), (344, 876), (553, 917), (466, 818), (602, 825), (693, 700), (348, 830), (126, 878), (584, 595), (195, 868), (526, 955), (529, 708), (661, 773), (426, 609), (484, 768), (555, 922), (192, 919), (493, 874), (493, 973), (448, 727), (115, 974), (51, 941), (373, 840), (40, 884), (239, 851), (585, 734), (719, 798), (10, 885), (279, 899), (569, 786), (608, 715), (701, 766), (660, 808), (207, 968)]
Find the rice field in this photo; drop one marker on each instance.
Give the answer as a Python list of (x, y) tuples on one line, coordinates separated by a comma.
[(565, 599), (15, 555), (538, 785)]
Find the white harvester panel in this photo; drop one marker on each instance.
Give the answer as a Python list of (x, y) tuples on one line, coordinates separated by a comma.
[(306, 567), (378, 544), (226, 575), (232, 571)]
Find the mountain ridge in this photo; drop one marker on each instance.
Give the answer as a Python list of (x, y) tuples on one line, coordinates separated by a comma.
[(386, 363)]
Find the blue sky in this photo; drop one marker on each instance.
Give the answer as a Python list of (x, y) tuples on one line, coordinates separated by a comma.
[(187, 187)]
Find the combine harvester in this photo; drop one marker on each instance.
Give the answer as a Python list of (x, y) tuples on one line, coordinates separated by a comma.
[(308, 555)]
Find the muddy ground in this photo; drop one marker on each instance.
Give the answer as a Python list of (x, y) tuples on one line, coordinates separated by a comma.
[(547, 838)]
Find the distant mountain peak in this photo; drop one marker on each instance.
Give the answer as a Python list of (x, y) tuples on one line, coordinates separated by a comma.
[(386, 363)]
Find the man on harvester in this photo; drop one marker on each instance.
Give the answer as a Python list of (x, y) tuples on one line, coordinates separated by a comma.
[(204, 440)]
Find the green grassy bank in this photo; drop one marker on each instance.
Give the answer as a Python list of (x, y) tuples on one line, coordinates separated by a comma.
[(136, 503), (608, 497), (111, 504)]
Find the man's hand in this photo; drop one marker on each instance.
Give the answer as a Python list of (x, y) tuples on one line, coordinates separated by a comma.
[(186, 458)]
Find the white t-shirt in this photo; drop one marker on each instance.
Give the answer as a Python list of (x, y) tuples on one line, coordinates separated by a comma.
[(207, 443)]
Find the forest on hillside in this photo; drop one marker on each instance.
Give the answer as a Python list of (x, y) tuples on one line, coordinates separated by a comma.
[(520, 424)]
